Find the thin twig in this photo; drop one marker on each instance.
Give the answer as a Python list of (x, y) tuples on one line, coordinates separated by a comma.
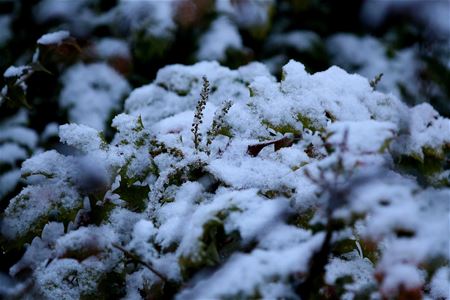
[(137, 259)]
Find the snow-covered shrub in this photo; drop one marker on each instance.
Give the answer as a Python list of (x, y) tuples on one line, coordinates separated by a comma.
[(190, 200), (270, 184)]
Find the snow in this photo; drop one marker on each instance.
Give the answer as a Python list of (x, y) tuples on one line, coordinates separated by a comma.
[(50, 130), (367, 56), (17, 142), (360, 269), (245, 272), (49, 163), (246, 14), (49, 9), (82, 137), (440, 284), (153, 16), (426, 130), (5, 24), (8, 182), (299, 40), (251, 172), (222, 35), (129, 194), (20, 135), (175, 216), (10, 287), (363, 136), (143, 230), (53, 38), (13, 71), (10, 153), (123, 221), (77, 16), (34, 203), (91, 173), (94, 239), (91, 93), (402, 275), (109, 48), (431, 15), (59, 279), (236, 220), (40, 249), (177, 89), (396, 206)]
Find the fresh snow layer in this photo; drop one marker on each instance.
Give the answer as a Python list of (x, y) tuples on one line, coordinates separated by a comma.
[(53, 38), (216, 218)]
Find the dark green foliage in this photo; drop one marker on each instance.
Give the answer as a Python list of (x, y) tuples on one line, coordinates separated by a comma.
[(302, 219), (147, 48), (99, 212), (161, 290), (282, 128), (308, 123), (343, 246), (215, 247), (424, 168), (135, 195), (111, 286)]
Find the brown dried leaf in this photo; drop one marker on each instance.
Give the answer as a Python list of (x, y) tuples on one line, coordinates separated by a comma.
[(287, 141)]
